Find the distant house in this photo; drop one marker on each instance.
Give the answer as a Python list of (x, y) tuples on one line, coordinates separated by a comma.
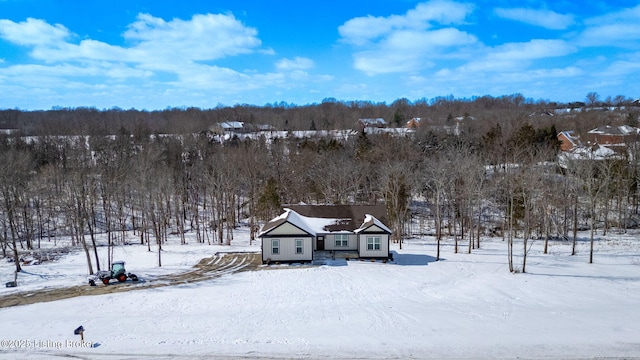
[(568, 140), (371, 123), (227, 127), (590, 152), (414, 123), (303, 230), (542, 113), (265, 127), (613, 135)]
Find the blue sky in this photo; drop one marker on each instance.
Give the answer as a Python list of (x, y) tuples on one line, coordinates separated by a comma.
[(157, 54)]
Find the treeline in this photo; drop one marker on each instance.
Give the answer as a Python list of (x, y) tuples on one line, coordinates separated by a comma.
[(330, 114), (496, 174)]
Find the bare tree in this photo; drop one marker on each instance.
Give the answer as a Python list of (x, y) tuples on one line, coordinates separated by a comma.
[(592, 98), (437, 179), (16, 168)]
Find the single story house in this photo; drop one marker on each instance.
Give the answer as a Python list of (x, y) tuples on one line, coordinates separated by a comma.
[(227, 127), (613, 135), (371, 123), (302, 230)]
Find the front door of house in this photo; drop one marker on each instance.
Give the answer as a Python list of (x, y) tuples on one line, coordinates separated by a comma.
[(320, 243)]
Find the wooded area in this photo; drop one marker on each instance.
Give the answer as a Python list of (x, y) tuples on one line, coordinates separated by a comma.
[(82, 172)]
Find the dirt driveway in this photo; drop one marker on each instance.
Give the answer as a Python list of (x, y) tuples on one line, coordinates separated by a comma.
[(207, 268)]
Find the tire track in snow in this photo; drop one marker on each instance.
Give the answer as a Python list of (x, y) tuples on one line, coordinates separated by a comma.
[(206, 269)]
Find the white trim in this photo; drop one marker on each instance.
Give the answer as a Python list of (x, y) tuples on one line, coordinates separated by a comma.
[(373, 243)]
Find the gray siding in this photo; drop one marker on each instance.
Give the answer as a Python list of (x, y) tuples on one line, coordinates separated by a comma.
[(330, 242), (287, 249), (384, 246)]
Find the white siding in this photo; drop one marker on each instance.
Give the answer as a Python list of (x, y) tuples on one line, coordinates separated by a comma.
[(330, 242), (287, 249), (384, 246)]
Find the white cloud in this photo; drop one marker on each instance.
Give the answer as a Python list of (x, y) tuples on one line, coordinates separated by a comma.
[(166, 58), (204, 37), (620, 34), (155, 43), (543, 18), (85, 50), (623, 67), (297, 63), (33, 32), (407, 51), (627, 15), (534, 49), (362, 30), (512, 56), (409, 42), (619, 28)]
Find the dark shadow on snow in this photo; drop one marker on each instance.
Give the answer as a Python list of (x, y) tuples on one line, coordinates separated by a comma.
[(334, 262), (413, 259)]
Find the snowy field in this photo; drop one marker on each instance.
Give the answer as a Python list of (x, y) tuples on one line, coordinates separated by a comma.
[(467, 306)]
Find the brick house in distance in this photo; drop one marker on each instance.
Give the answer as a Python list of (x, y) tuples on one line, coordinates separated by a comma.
[(568, 140), (608, 135)]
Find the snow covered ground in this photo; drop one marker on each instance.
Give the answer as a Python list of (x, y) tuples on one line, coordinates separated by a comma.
[(465, 306)]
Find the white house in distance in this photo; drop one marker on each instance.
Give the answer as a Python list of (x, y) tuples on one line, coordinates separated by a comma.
[(303, 230), (371, 123), (227, 127)]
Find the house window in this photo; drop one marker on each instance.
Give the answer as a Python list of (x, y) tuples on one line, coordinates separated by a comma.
[(299, 246), (373, 242), (275, 246), (342, 240)]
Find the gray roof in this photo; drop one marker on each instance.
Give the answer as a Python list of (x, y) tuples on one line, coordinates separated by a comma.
[(231, 125), (615, 130)]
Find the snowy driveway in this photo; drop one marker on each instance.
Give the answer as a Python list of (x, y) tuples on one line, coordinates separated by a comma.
[(208, 268)]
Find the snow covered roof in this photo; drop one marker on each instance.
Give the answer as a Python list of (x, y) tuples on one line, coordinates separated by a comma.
[(317, 225), (369, 221), (595, 152), (231, 125), (372, 122), (343, 219), (615, 130)]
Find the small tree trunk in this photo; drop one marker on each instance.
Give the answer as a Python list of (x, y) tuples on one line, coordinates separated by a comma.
[(575, 225)]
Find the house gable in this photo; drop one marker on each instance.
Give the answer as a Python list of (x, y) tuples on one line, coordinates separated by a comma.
[(286, 229), (373, 230), (372, 225), (568, 140)]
